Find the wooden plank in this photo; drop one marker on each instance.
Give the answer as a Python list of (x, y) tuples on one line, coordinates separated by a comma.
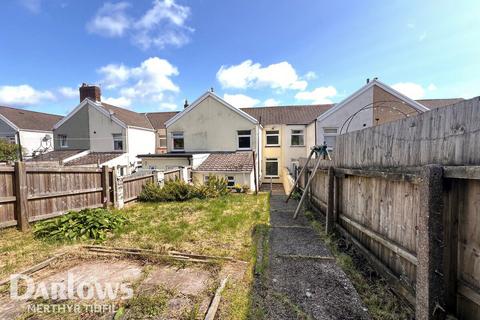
[(7, 224), (63, 169), (61, 213), (7, 169), (389, 175), (381, 239), (64, 193), (330, 201), (21, 193), (473, 294), (134, 178), (462, 172), (212, 310), (7, 199), (105, 186)]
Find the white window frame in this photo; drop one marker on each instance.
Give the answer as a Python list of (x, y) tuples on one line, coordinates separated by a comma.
[(267, 134), (11, 139), (178, 135), (243, 136), (302, 134), (232, 180), (329, 132), (267, 160), (117, 137), (62, 141)]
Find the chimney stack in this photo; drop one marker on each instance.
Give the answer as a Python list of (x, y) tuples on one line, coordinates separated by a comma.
[(90, 91), (186, 104)]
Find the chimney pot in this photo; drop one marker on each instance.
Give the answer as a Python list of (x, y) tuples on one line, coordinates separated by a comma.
[(92, 92), (186, 104)]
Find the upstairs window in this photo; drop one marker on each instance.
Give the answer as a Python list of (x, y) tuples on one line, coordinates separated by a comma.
[(178, 141), (244, 139), (297, 138), (117, 142), (162, 138), (273, 138), (330, 137), (62, 138)]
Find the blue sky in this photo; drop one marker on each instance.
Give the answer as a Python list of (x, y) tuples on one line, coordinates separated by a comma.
[(151, 55)]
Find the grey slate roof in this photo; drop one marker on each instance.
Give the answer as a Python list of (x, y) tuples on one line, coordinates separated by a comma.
[(241, 161), (287, 114), (30, 120), (94, 158), (130, 118), (438, 103), (158, 119), (55, 155)]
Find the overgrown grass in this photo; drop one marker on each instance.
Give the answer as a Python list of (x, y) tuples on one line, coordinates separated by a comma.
[(381, 303)]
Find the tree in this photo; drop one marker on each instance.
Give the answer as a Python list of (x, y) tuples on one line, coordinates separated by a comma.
[(8, 151)]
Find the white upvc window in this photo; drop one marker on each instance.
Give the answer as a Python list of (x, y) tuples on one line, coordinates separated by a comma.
[(330, 137), (230, 181), (272, 138), (117, 142), (271, 167), (244, 139), (178, 142), (297, 138), (162, 138), (62, 138), (11, 139)]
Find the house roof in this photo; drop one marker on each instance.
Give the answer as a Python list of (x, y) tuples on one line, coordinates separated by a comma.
[(438, 103), (304, 114), (158, 119), (217, 98), (228, 162), (29, 120), (94, 158), (56, 155), (128, 117)]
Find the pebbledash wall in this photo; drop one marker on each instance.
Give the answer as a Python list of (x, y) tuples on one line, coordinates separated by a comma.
[(407, 193)]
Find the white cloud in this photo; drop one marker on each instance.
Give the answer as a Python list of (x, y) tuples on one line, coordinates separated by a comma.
[(34, 6), (120, 101), (431, 87), (68, 92), (249, 75), (23, 95), (240, 100), (149, 81), (168, 105), (110, 20), (271, 102), (320, 95), (162, 25), (310, 75), (410, 89)]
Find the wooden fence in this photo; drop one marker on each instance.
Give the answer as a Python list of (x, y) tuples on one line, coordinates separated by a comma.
[(409, 203), (30, 193)]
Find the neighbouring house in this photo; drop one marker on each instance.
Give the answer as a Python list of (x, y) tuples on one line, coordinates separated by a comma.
[(108, 134), (288, 134), (29, 129), (373, 104), (212, 131), (157, 120)]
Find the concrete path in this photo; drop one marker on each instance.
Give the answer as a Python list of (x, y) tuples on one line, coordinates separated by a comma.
[(302, 279)]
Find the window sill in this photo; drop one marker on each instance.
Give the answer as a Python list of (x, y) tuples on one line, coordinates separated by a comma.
[(249, 149), (297, 146), (273, 177)]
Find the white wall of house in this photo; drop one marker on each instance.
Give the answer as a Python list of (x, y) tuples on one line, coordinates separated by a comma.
[(101, 131), (31, 141), (241, 178), (211, 126), (139, 141), (163, 163), (338, 117)]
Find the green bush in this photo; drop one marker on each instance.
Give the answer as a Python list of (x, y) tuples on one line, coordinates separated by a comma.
[(178, 190), (8, 151), (81, 225)]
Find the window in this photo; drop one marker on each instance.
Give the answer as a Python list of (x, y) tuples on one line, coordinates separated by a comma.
[(330, 137), (273, 138), (230, 181), (297, 138), (271, 167), (205, 179), (244, 137), (162, 138), (11, 139), (177, 141), (63, 140), (117, 142)]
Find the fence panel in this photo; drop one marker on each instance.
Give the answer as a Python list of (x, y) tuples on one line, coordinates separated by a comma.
[(132, 186), (174, 174), (7, 197)]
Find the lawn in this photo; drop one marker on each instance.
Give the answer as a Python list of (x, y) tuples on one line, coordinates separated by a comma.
[(221, 226)]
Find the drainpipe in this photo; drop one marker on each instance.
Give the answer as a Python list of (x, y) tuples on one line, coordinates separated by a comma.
[(20, 154)]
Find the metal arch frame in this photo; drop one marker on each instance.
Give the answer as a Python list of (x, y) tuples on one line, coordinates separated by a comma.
[(373, 106)]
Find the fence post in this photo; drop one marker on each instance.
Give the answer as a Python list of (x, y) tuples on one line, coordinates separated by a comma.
[(21, 194), (119, 203), (105, 186), (430, 287), (114, 188), (329, 223)]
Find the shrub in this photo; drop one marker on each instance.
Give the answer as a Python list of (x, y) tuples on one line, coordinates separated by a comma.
[(81, 225), (8, 151), (178, 190)]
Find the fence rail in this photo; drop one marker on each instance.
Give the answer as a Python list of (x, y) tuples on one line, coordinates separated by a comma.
[(407, 193)]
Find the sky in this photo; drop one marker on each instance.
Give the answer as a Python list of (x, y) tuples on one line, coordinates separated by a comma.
[(152, 55)]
